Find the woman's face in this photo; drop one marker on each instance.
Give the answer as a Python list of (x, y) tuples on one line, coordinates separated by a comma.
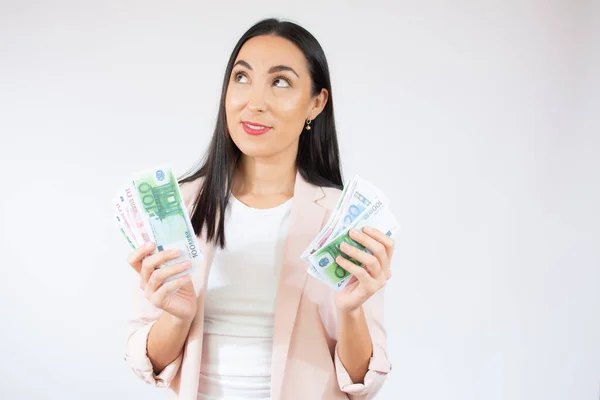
[(269, 99)]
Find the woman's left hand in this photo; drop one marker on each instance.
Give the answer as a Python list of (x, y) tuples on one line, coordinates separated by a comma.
[(366, 280)]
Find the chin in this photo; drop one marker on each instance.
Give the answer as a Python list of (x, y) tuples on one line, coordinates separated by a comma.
[(254, 152), (255, 149)]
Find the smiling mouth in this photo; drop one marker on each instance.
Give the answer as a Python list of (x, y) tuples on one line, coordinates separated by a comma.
[(254, 128)]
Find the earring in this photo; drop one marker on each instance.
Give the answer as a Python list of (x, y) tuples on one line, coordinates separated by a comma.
[(308, 121)]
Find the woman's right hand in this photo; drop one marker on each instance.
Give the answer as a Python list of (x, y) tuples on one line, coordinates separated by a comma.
[(176, 297)]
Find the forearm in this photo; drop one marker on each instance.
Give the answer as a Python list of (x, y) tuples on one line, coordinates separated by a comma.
[(354, 346), (165, 340)]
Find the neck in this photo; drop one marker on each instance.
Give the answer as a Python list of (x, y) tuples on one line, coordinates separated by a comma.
[(259, 176)]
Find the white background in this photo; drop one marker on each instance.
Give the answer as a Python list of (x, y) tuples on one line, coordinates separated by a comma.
[(475, 117)]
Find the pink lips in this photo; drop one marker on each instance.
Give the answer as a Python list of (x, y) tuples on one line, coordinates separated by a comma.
[(255, 129)]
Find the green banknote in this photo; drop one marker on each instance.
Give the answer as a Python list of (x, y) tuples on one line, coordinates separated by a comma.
[(377, 216), (166, 215)]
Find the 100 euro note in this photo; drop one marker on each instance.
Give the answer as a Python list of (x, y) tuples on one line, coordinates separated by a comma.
[(166, 216), (377, 216)]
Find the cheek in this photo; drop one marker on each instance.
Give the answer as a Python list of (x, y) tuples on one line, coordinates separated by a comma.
[(291, 105), (291, 112), (235, 100)]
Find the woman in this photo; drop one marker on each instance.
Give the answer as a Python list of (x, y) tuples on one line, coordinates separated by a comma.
[(250, 324)]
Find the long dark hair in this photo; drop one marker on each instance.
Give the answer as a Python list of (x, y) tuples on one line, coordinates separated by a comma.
[(317, 160)]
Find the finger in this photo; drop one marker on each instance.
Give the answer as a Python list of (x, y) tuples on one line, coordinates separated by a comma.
[(389, 245), (381, 237), (351, 281), (159, 275), (160, 296), (154, 261), (136, 257), (369, 260), (360, 273), (376, 247)]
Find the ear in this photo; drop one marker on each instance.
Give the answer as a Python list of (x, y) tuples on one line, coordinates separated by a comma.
[(318, 104)]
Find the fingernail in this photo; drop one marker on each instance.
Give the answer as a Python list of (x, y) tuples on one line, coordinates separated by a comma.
[(148, 245), (344, 246), (187, 264), (367, 229)]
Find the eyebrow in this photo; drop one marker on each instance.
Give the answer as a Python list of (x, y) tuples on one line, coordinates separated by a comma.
[(276, 68)]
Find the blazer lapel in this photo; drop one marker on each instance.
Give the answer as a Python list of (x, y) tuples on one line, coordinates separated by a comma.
[(305, 222), (192, 356)]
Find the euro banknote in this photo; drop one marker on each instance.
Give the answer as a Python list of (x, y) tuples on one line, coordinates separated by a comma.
[(327, 230), (356, 197), (359, 206), (124, 221), (151, 208)]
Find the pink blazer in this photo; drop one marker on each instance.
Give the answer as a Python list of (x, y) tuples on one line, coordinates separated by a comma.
[(305, 365)]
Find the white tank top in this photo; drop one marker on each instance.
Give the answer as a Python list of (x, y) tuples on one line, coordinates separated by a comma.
[(240, 303)]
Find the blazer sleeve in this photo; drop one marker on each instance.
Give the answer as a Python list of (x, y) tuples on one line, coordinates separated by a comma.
[(144, 316), (379, 366)]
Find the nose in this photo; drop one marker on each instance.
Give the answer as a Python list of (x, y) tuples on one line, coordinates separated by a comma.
[(256, 99)]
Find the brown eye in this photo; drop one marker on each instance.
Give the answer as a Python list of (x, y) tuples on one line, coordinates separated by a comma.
[(240, 77), (281, 82)]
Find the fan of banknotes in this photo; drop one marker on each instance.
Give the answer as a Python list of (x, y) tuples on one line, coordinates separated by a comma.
[(361, 204), (150, 208)]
